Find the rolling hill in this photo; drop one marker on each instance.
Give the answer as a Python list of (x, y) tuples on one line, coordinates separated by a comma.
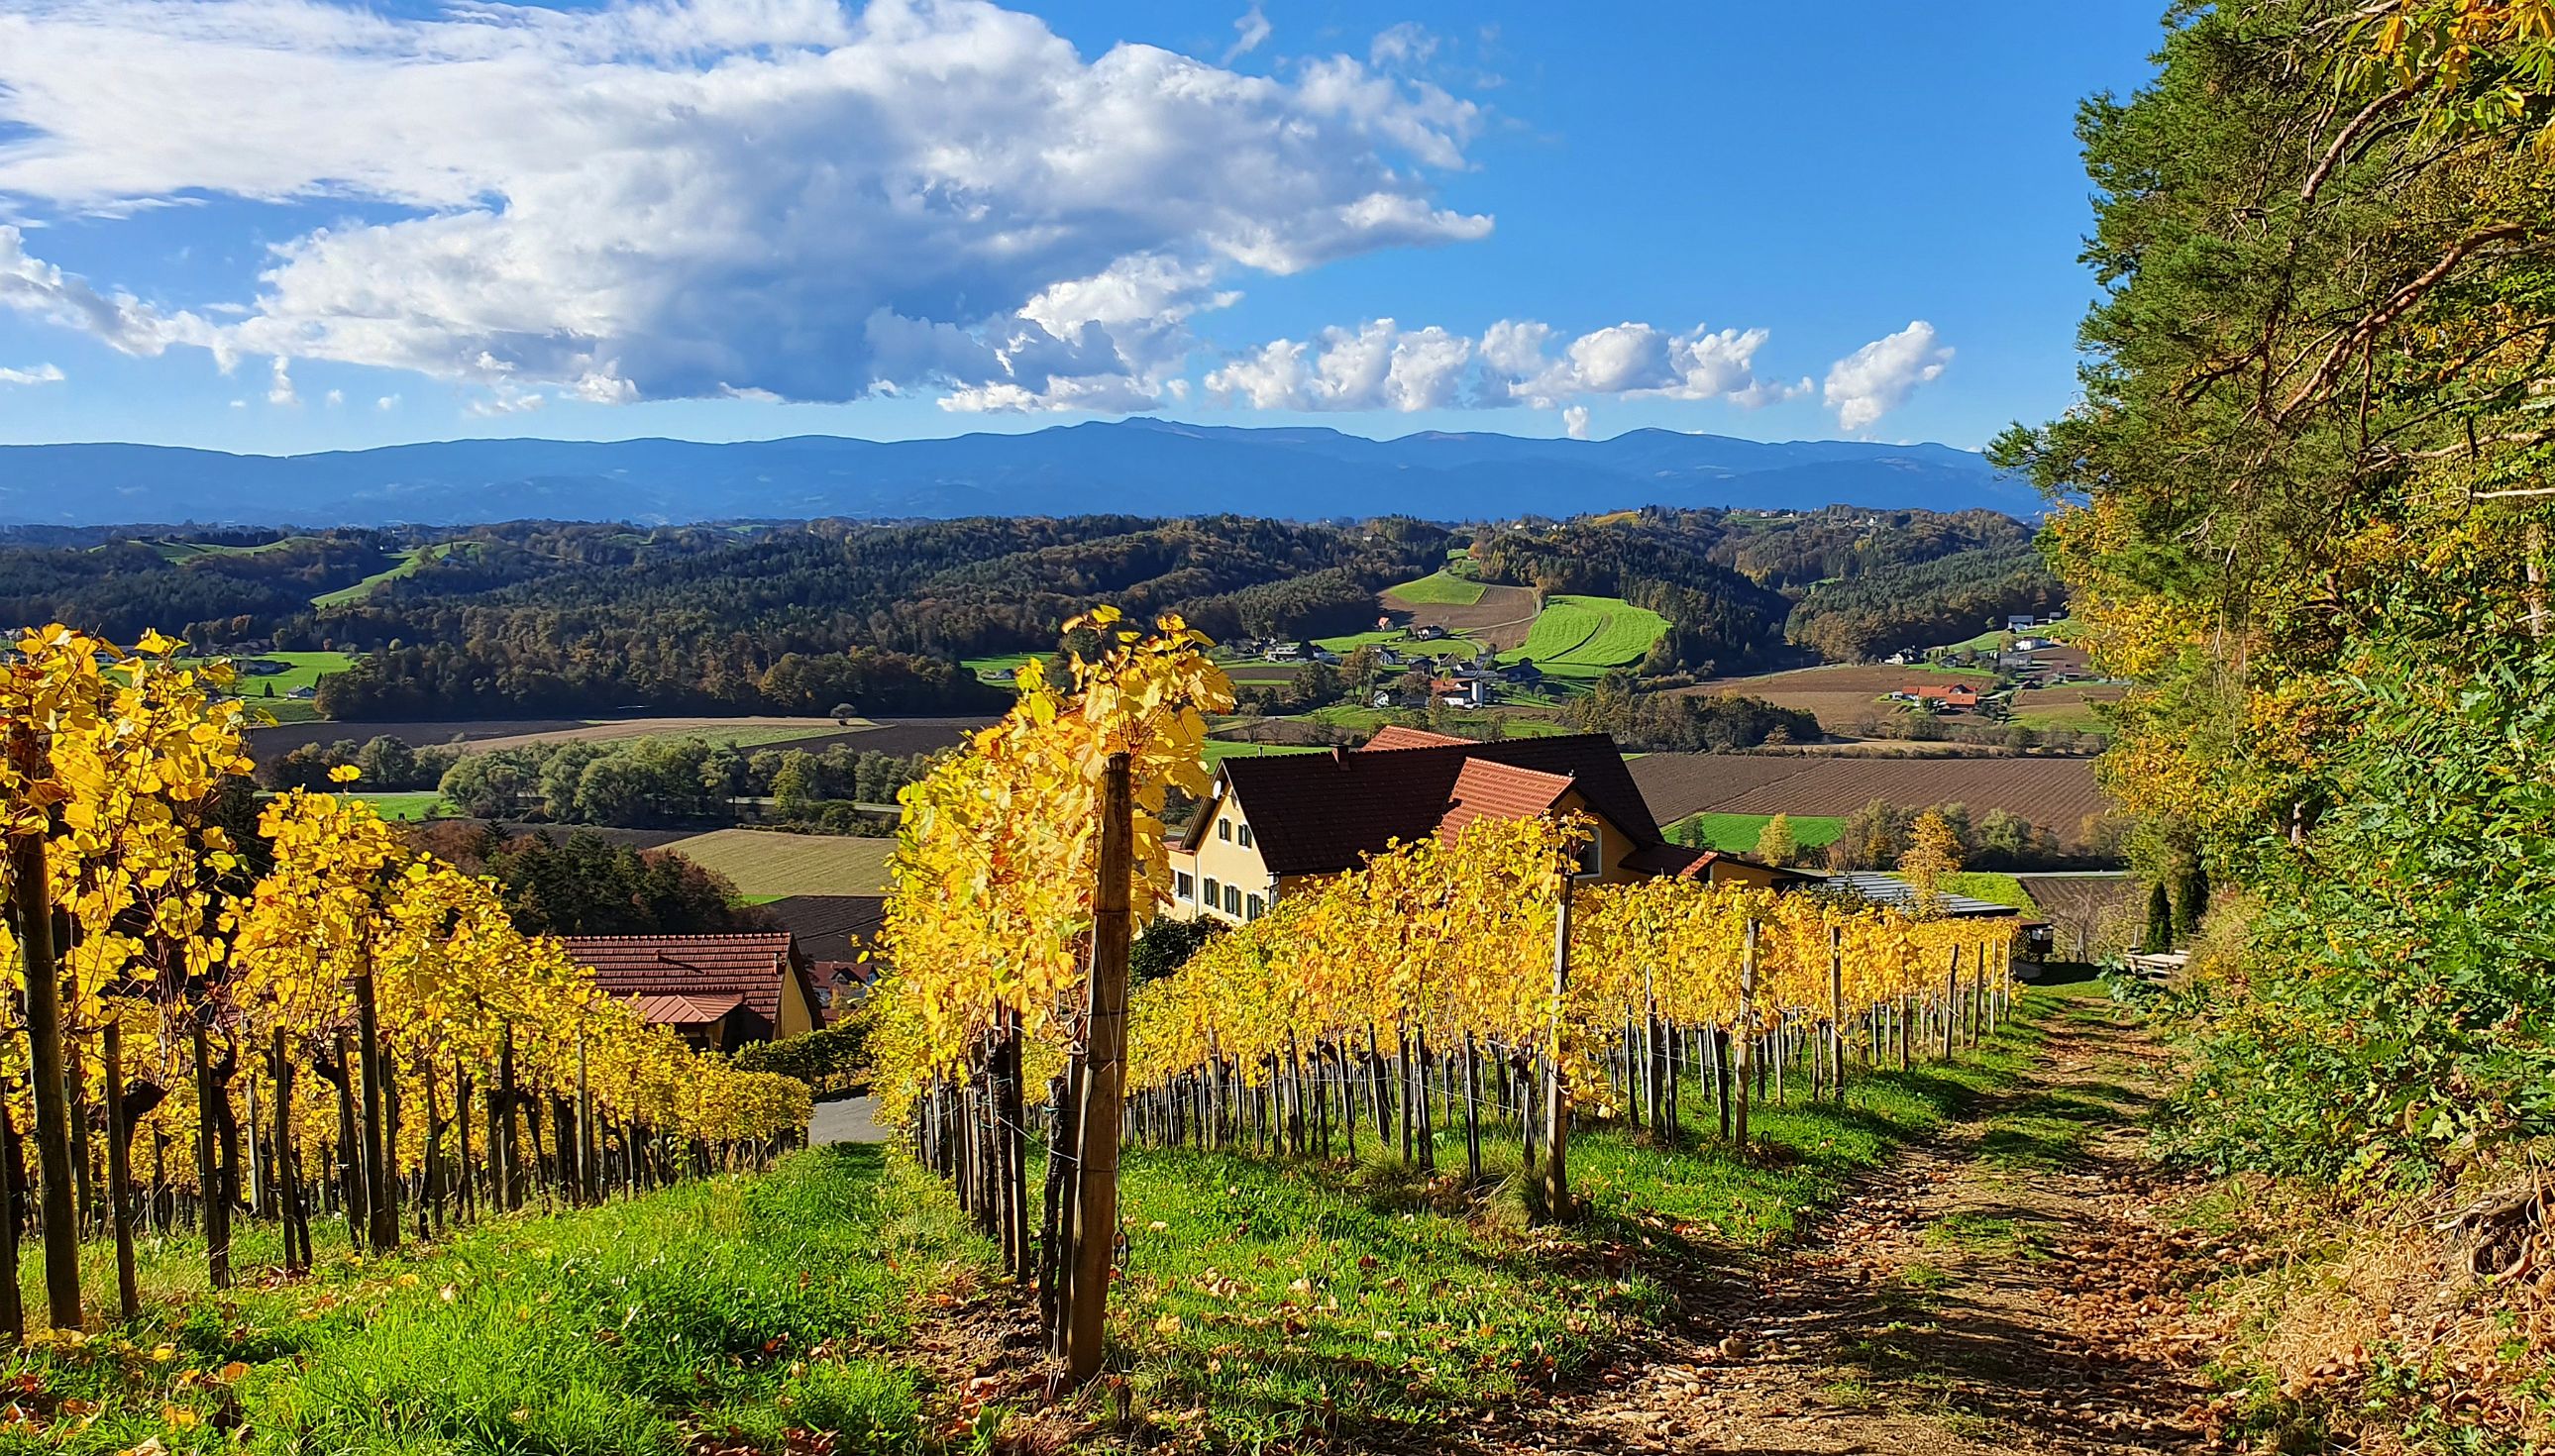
[(1135, 465)]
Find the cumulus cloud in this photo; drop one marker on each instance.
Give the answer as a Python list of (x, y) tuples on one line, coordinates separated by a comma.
[(40, 374), (387, 401), (697, 198), (1574, 422), (1380, 365), (1250, 33), (280, 391), (1627, 360), (1878, 377)]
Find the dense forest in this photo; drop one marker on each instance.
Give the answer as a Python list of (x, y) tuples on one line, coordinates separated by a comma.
[(1743, 592), (542, 617)]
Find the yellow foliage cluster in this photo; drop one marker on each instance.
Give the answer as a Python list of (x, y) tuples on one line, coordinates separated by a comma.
[(1455, 938), (110, 758), (992, 901)]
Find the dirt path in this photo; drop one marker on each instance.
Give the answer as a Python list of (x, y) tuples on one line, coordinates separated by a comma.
[(2003, 1289)]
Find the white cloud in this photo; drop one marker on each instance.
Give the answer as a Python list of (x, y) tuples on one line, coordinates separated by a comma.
[(1627, 360), (122, 322), (336, 398), (681, 199), (1574, 422), (281, 392), (1878, 377), (1250, 33), (1379, 366), (387, 401), (40, 374), (1406, 44)]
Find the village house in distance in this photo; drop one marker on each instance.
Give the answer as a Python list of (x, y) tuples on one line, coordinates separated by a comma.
[(1268, 823), (717, 992)]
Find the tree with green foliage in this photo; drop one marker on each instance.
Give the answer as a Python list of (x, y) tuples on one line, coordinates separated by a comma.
[(2308, 518), (2159, 937)]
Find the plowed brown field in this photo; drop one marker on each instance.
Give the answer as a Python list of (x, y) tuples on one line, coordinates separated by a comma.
[(2056, 794), (1501, 617)]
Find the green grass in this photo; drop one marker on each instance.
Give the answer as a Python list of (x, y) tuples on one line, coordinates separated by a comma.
[(1737, 833), (1267, 1301), (753, 1303), (1439, 589), (772, 862), (301, 670), (1587, 636), (1989, 886), (422, 804), (1220, 748), (407, 564), (998, 666)]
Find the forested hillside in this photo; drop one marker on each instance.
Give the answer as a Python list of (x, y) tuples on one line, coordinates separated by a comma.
[(540, 617), (2316, 454)]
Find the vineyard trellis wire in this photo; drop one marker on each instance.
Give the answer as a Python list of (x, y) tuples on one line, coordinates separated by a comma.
[(146, 957), (1470, 978)]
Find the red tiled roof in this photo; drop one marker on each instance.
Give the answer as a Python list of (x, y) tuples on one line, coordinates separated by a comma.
[(684, 1011), (1393, 735), (1320, 813), (746, 967), (1501, 790)]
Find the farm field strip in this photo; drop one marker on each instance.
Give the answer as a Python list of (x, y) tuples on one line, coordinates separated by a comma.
[(1586, 636), (770, 861), (1438, 588), (2056, 794), (1737, 833)]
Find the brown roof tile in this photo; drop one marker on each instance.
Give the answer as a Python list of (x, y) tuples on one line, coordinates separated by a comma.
[(1320, 813), (749, 968)]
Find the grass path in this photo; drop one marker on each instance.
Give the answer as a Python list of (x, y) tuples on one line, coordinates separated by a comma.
[(2003, 1286)]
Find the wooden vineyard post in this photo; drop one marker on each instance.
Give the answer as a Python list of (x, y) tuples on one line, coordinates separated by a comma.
[(589, 1187), (208, 1161), (119, 1178), (1836, 1011), (383, 1232), (287, 1181), (33, 897), (1095, 1223), (1557, 1133), (1951, 1001), (1747, 1032)]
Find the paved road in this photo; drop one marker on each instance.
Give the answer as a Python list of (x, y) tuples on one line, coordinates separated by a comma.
[(846, 1120)]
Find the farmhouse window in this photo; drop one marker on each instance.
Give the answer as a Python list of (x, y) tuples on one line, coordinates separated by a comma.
[(1187, 886), (1211, 901), (1245, 836), (1224, 830), (1254, 907), (1233, 900), (1592, 857)]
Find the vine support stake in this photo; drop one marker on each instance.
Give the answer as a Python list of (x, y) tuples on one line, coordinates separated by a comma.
[(1104, 1076)]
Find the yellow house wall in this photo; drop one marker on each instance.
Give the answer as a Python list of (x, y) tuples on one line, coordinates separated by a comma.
[(1224, 861), (798, 1014)]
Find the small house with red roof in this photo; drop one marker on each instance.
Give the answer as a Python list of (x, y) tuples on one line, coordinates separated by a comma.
[(1269, 823), (720, 992)]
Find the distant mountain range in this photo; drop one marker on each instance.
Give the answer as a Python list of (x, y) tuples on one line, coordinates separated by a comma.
[(1140, 466)]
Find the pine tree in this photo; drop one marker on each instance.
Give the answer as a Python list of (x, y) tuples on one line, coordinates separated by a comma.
[(2159, 937)]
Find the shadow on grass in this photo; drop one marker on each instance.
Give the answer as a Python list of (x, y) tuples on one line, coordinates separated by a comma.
[(1269, 1300)]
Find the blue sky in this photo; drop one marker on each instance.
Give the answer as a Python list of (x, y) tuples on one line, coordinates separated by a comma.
[(285, 225)]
